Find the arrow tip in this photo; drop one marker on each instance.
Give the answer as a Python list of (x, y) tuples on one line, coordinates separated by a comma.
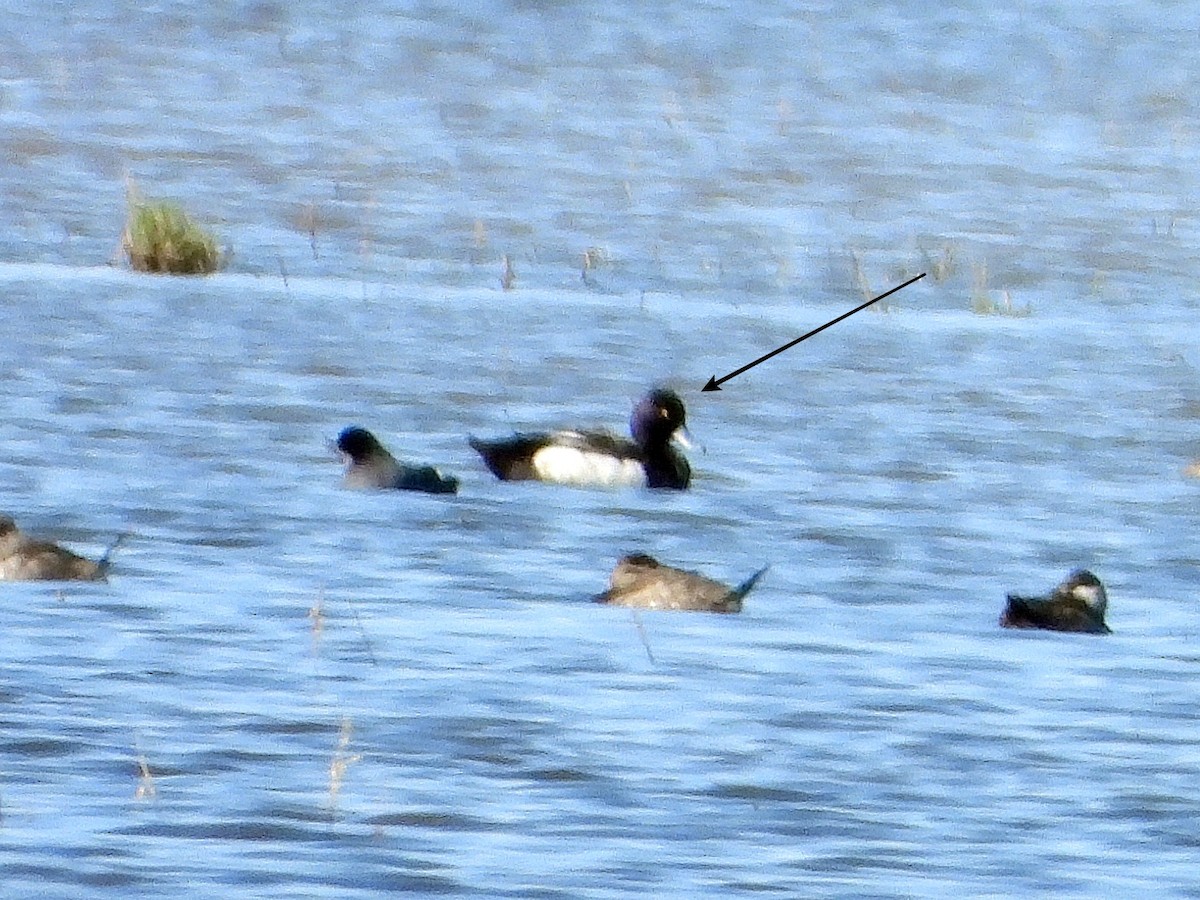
[(711, 386)]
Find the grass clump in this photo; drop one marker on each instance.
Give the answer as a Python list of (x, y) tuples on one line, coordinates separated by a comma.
[(160, 237), (982, 303)]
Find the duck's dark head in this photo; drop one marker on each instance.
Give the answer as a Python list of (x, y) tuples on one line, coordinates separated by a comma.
[(357, 443), (659, 417), (631, 569), (638, 561), (1086, 588), (7, 526)]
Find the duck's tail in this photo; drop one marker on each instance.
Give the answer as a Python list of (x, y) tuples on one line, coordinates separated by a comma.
[(427, 479), (744, 588), (105, 562)]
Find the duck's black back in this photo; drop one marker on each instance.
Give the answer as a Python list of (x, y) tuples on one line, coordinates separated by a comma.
[(1052, 613)]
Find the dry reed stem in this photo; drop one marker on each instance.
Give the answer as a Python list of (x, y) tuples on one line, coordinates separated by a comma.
[(341, 761), (981, 297), (146, 789), (310, 219), (641, 630), (864, 285), (317, 615)]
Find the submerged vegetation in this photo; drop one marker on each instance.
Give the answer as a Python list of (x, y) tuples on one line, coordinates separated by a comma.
[(160, 237)]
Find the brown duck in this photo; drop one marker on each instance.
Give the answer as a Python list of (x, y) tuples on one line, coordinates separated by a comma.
[(23, 558), (642, 581)]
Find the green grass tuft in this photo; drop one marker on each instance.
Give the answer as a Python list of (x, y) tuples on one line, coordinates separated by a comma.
[(160, 237)]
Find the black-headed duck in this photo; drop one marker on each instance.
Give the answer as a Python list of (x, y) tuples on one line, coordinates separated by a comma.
[(600, 458), (370, 466)]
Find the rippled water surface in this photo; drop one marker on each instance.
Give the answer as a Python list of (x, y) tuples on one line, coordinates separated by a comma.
[(287, 689)]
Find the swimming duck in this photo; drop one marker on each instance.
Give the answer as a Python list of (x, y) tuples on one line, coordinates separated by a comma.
[(369, 465), (642, 581), (23, 558), (1078, 604), (599, 458)]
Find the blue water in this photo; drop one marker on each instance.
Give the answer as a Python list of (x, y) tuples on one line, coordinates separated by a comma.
[(287, 689)]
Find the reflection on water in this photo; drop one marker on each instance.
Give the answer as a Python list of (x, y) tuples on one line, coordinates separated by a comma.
[(287, 687)]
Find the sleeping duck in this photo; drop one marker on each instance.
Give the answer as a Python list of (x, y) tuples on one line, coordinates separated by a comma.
[(1078, 604)]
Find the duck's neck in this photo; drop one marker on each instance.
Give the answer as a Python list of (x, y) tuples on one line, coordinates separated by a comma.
[(666, 467)]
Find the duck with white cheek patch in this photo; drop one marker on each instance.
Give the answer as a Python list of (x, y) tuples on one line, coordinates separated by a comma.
[(1078, 604)]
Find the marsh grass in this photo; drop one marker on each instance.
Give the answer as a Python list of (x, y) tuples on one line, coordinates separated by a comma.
[(863, 285), (982, 303), (942, 264), (161, 238), (593, 258)]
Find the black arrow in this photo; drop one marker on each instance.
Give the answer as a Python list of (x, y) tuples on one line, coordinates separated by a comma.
[(714, 383)]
